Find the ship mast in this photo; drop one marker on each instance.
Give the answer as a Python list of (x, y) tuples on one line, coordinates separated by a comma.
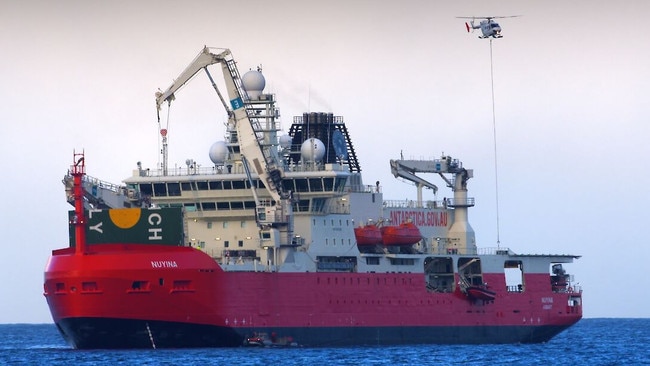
[(78, 170)]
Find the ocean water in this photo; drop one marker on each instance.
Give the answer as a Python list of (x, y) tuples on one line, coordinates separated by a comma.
[(590, 342)]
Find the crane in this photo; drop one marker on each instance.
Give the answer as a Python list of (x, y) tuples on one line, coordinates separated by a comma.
[(407, 169), (261, 158), (258, 157)]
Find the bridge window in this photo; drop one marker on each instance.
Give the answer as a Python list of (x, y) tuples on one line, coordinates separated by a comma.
[(288, 185), (328, 184), (186, 186), (146, 189), (216, 185), (301, 185), (174, 189), (315, 185), (340, 184), (160, 189), (202, 185)]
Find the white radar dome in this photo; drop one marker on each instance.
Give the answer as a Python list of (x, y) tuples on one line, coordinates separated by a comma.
[(253, 83), (312, 150), (285, 141), (219, 152)]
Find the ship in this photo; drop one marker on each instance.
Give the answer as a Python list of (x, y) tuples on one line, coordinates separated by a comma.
[(278, 241)]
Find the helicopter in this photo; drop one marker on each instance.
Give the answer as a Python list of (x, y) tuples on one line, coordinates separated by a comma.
[(488, 26)]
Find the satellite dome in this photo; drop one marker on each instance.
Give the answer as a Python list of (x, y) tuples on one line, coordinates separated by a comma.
[(285, 141), (253, 83), (312, 150), (218, 152)]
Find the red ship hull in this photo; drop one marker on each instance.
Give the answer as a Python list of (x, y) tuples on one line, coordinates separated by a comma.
[(140, 296)]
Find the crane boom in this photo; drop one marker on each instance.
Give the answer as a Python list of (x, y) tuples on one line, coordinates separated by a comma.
[(274, 217), (204, 59), (262, 159)]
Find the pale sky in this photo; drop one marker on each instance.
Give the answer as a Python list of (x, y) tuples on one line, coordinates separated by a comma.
[(570, 78)]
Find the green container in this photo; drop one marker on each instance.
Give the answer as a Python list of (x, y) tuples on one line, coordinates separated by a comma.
[(163, 226)]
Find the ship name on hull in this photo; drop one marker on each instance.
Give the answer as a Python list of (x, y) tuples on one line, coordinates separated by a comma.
[(164, 264), (419, 218)]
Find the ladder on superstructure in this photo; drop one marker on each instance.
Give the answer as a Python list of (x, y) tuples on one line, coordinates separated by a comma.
[(252, 117)]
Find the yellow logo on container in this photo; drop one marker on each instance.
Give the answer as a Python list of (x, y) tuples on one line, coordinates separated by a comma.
[(125, 218)]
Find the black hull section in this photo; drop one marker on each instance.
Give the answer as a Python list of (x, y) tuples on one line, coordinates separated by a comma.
[(105, 333), (102, 333), (351, 336)]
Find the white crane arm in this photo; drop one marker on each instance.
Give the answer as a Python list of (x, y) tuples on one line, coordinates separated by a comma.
[(202, 60), (400, 168)]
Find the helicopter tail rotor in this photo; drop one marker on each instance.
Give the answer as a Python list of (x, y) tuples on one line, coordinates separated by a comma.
[(467, 26)]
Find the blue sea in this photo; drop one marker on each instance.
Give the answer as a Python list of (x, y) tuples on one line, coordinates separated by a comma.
[(590, 342)]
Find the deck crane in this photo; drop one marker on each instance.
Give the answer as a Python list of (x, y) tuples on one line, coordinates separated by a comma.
[(403, 169), (461, 234), (274, 217)]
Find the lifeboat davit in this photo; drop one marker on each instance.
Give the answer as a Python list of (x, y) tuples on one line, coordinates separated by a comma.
[(368, 235), (403, 234)]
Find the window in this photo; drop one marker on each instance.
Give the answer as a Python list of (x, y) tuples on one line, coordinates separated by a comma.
[(288, 185), (186, 186), (301, 185), (208, 206), (238, 184), (160, 189), (146, 189), (315, 184), (373, 261), (340, 184), (174, 189)]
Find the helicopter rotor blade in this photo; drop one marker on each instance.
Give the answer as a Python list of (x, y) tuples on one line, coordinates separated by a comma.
[(490, 17)]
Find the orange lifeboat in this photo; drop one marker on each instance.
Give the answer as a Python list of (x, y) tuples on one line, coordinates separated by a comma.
[(368, 235), (403, 234)]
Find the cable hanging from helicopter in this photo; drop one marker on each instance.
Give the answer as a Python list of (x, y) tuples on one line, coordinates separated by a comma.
[(491, 29)]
